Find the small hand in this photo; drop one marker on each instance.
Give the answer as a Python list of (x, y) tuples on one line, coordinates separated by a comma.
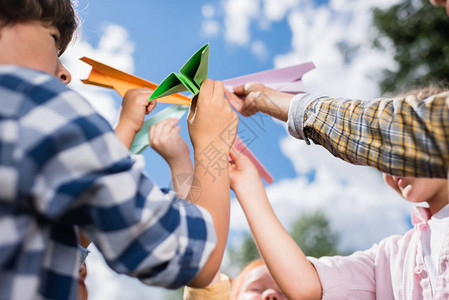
[(251, 98), (165, 139), (242, 172), (247, 99), (135, 106), (211, 118)]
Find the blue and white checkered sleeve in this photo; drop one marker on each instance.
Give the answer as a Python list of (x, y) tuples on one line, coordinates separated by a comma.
[(83, 175)]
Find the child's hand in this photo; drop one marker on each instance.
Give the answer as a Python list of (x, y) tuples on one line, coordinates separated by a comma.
[(165, 139), (135, 106), (211, 119), (248, 98), (243, 174), (251, 98)]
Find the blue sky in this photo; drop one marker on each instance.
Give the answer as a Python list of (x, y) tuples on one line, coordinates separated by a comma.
[(153, 38), (167, 34)]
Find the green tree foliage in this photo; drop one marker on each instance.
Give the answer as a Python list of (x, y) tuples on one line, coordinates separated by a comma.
[(313, 234), (244, 254), (419, 33)]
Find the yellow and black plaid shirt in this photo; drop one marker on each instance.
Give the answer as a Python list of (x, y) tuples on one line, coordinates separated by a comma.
[(400, 136)]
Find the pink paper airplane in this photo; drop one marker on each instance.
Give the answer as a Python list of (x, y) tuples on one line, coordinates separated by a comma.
[(286, 80)]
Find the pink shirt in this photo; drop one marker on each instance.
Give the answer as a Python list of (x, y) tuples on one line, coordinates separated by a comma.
[(392, 269)]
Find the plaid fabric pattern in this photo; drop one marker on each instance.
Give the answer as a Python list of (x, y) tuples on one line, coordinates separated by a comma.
[(61, 166), (401, 136)]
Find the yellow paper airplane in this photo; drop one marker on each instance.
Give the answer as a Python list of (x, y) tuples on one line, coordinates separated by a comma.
[(108, 77)]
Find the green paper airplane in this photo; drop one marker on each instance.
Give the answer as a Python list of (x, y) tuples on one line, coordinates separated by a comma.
[(189, 77)]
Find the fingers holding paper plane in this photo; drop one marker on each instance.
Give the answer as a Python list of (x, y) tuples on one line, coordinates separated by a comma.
[(251, 98), (247, 99), (195, 70), (211, 120), (271, 95), (135, 106), (165, 139)]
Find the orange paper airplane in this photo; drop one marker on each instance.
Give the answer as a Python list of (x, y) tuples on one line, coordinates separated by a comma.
[(108, 77)]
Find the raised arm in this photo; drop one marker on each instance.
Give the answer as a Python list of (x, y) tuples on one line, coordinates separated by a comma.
[(255, 97), (165, 139), (135, 106), (212, 127), (402, 136), (140, 230), (288, 265)]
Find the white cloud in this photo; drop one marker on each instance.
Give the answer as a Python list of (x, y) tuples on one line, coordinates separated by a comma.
[(104, 284), (319, 34), (239, 15), (259, 49), (208, 11), (356, 200), (113, 49), (115, 42), (275, 10), (210, 28)]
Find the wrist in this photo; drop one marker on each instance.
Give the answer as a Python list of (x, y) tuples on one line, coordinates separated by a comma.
[(275, 104), (250, 194), (244, 187), (211, 165), (128, 126), (181, 162), (215, 144)]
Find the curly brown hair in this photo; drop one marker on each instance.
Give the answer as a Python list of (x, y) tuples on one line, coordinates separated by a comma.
[(422, 93), (57, 13)]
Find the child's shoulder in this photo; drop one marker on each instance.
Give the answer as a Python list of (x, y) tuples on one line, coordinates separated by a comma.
[(23, 90), (23, 87)]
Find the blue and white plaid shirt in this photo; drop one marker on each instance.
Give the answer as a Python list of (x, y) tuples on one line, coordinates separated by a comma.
[(61, 166)]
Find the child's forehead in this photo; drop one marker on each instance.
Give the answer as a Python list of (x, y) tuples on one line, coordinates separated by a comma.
[(258, 273)]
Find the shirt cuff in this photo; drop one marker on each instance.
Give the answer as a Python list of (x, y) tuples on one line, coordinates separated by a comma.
[(296, 112)]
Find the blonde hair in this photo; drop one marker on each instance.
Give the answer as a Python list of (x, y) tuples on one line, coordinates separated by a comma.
[(239, 281)]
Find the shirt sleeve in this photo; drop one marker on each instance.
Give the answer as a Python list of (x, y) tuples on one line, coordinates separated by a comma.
[(218, 291), (350, 277), (74, 170), (364, 274), (401, 136)]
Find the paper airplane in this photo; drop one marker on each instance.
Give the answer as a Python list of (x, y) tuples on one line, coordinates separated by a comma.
[(189, 77), (108, 77), (141, 140), (286, 80), (263, 172)]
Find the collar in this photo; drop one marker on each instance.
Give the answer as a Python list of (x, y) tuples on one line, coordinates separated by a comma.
[(420, 215)]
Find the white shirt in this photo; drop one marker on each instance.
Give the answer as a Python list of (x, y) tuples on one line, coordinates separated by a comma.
[(432, 240)]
